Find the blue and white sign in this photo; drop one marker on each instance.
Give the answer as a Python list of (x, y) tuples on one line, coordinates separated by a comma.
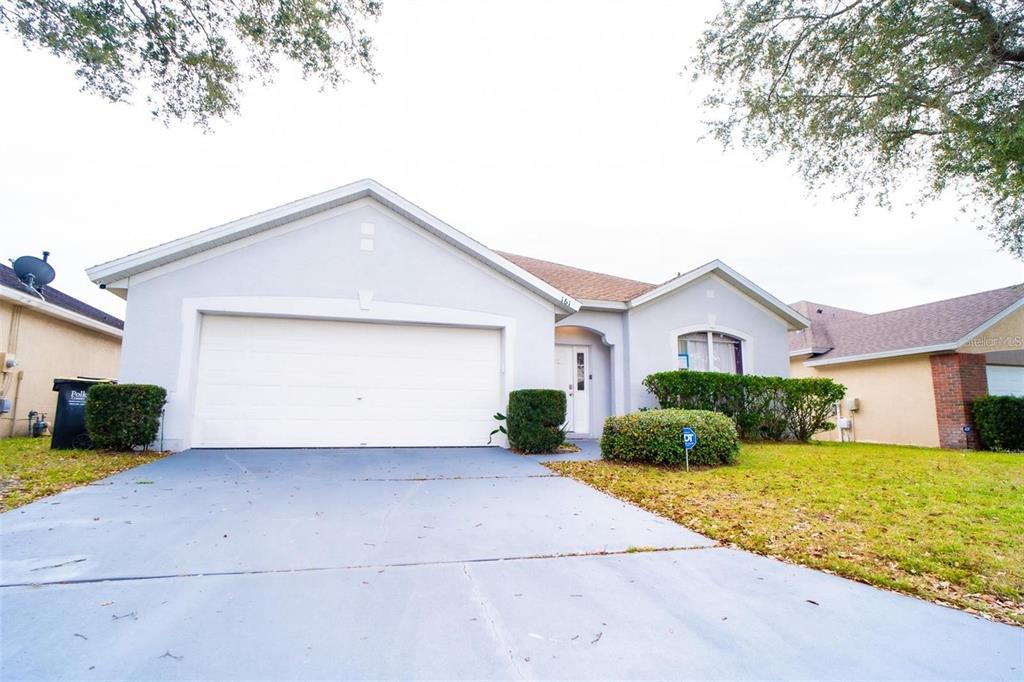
[(689, 438)]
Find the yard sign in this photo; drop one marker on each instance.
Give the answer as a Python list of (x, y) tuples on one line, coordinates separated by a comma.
[(689, 442)]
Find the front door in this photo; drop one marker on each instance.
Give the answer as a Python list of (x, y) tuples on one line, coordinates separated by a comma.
[(572, 375)]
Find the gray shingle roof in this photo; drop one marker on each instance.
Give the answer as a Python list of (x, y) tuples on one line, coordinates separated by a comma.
[(60, 299), (847, 333)]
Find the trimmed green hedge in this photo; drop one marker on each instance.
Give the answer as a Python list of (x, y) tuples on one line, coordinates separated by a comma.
[(1000, 422), (123, 416), (535, 418), (763, 408), (656, 437)]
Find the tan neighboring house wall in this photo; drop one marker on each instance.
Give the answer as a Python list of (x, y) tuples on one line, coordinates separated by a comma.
[(897, 403), (48, 344)]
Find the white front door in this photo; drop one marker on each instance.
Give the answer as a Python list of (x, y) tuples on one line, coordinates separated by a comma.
[(572, 375)]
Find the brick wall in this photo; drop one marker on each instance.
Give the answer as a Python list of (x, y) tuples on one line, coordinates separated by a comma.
[(957, 379)]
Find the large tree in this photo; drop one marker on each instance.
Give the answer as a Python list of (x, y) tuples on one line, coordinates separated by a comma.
[(862, 95), (193, 57)]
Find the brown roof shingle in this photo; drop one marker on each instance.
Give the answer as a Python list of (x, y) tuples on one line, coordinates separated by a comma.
[(579, 283), (816, 336), (932, 324)]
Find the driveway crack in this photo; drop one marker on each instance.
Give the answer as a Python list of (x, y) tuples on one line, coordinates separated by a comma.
[(497, 631), (350, 567)]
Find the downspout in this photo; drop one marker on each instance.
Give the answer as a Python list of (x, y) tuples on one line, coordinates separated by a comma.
[(13, 332), (627, 361), (14, 403)]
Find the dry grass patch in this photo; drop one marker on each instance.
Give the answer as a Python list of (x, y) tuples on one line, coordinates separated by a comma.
[(29, 469), (943, 525)]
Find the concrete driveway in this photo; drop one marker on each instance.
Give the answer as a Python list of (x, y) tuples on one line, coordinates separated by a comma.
[(430, 563)]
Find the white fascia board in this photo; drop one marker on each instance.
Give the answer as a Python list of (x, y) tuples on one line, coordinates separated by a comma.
[(472, 247), (881, 355), (991, 322), (123, 268), (595, 304), (807, 351), (47, 308), (793, 319)]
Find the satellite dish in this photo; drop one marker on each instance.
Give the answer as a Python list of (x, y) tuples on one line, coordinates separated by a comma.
[(34, 273)]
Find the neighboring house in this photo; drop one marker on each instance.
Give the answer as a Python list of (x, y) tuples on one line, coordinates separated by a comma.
[(355, 318), (42, 339), (914, 372)]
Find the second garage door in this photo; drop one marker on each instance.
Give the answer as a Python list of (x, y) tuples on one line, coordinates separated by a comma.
[(1005, 380), (276, 382)]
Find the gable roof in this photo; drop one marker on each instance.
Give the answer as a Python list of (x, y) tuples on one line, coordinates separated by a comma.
[(933, 327), (580, 283), (793, 319), (58, 299), (597, 287), (116, 272)]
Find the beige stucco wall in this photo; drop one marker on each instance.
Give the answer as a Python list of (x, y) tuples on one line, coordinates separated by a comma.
[(47, 347), (897, 404), (1005, 335)]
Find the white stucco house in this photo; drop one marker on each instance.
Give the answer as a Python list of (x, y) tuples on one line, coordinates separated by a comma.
[(355, 318)]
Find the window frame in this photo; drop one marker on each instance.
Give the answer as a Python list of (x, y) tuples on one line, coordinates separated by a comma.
[(743, 354)]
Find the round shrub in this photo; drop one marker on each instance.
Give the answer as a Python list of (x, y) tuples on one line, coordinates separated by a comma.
[(1000, 422), (656, 437), (535, 418), (123, 416)]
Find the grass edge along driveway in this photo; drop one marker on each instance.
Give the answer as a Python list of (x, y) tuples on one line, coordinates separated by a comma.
[(942, 525), (29, 469)]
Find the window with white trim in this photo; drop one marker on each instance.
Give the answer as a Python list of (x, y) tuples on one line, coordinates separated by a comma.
[(711, 352)]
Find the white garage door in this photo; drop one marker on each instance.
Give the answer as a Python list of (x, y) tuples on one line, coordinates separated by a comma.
[(275, 382), (1005, 380)]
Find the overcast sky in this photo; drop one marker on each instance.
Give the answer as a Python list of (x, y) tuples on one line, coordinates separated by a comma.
[(560, 130)]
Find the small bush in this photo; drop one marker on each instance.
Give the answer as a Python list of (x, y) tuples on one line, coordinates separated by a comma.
[(535, 418), (656, 436), (1000, 422), (123, 416), (768, 408)]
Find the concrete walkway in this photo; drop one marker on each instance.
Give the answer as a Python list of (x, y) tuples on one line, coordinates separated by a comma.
[(430, 563)]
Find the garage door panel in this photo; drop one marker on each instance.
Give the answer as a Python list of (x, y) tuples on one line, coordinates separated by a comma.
[(266, 382), (465, 399), (1005, 380)]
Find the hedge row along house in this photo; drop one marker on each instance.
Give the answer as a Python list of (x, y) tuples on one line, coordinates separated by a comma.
[(912, 374), (43, 338)]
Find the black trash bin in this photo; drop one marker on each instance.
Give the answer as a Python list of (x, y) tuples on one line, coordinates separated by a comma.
[(69, 421)]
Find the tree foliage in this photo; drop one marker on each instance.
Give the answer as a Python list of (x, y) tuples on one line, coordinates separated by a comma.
[(194, 56), (865, 94)]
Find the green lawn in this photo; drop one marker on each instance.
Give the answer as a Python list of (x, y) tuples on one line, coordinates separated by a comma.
[(943, 525), (29, 469)]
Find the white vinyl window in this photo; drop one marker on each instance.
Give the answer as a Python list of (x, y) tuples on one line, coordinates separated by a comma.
[(711, 352)]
